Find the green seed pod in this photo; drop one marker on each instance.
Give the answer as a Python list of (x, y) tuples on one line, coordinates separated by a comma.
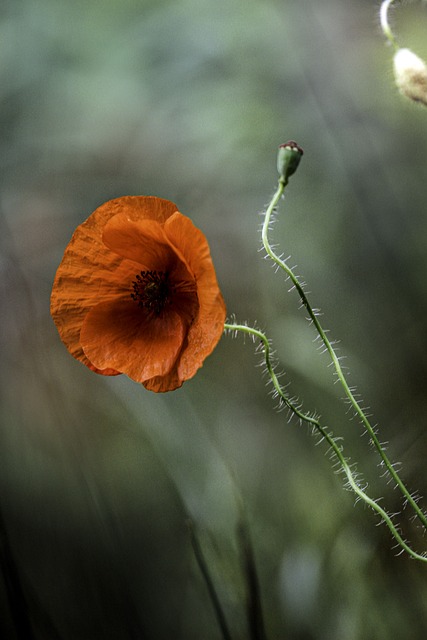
[(288, 159)]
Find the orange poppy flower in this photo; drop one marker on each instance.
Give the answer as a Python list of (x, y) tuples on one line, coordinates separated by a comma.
[(136, 293)]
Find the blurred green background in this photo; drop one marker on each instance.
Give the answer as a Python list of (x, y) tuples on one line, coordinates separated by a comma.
[(189, 100)]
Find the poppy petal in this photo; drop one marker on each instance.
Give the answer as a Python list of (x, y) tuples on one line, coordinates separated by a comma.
[(206, 330), (190, 241), (121, 336), (143, 242), (86, 276), (203, 336), (136, 208), (162, 384)]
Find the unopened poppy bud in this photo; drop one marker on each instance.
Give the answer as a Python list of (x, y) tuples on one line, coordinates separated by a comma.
[(288, 159), (410, 73)]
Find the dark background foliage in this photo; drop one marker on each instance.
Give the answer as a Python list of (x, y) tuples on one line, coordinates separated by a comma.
[(189, 100)]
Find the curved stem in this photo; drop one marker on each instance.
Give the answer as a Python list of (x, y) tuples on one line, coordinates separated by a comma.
[(335, 360), (323, 431), (385, 26)]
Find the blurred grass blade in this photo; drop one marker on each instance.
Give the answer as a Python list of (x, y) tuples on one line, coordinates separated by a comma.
[(209, 582), (253, 596)]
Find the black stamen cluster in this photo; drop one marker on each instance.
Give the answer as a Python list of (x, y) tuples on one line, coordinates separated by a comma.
[(151, 290)]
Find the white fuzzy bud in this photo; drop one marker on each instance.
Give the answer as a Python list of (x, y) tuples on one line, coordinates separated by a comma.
[(410, 73)]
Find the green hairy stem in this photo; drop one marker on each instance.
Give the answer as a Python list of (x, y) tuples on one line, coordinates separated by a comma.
[(311, 419)]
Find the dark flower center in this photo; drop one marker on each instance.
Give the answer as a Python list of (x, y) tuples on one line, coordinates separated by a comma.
[(152, 290)]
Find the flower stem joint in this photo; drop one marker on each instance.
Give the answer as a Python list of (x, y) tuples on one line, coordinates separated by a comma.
[(288, 159)]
